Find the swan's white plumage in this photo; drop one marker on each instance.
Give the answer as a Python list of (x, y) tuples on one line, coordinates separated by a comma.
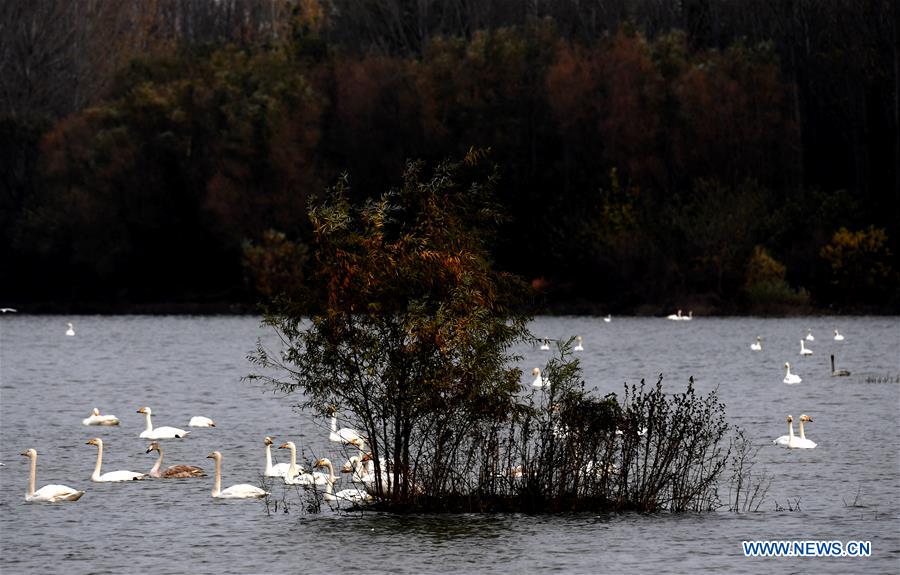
[(786, 439), (239, 491), (97, 419), (345, 435), (838, 336), (579, 346), (353, 496), (546, 345), (49, 493), (200, 421), (164, 432), (801, 442), (809, 335), (539, 382), (790, 378), (608, 318), (757, 346), (804, 350), (675, 316), (111, 476), (71, 329)]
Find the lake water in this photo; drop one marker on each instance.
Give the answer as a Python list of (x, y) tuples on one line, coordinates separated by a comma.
[(185, 366)]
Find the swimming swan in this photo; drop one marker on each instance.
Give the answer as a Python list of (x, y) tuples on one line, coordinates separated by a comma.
[(539, 382), (344, 435), (838, 372), (789, 377), (354, 496), (837, 335), (801, 442), (48, 493), (112, 476), (579, 347), (71, 330), (546, 345), (277, 470), (295, 474), (200, 421), (240, 491), (785, 439), (758, 345), (173, 471), (97, 419), (809, 335), (804, 350), (675, 316), (608, 318), (159, 432)]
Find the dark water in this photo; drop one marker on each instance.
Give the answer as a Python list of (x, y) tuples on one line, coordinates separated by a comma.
[(184, 366)]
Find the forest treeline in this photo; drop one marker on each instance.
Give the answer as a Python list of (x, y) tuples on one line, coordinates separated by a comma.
[(734, 156)]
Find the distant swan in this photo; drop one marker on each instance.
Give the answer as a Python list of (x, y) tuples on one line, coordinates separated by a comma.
[(173, 471), (296, 475), (539, 382), (344, 435), (546, 345), (789, 377), (71, 330), (354, 496), (48, 493), (579, 346), (801, 442), (688, 317), (837, 335), (200, 421), (809, 335), (804, 350), (785, 439), (675, 316), (838, 372), (159, 432), (608, 318), (97, 419), (758, 345), (240, 491), (112, 476)]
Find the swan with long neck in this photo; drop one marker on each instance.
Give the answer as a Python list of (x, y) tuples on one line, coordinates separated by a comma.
[(159, 432), (71, 329), (112, 476), (48, 493), (97, 419), (786, 439), (758, 345), (354, 496), (809, 335), (345, 435), (295, 474), (173, 471), (277, 470), (539, 382), (801, 442), (675, 316), (837, 372), (579, 346), (790, 378), (837, 335), (804, 350), (608, 318), (239, 491)]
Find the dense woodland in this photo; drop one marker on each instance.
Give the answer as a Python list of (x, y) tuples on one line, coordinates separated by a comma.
[(720, 155)]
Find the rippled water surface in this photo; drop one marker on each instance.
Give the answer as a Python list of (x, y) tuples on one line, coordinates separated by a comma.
[(185, 366)]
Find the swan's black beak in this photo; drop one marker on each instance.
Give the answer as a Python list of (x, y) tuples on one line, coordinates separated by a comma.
[(25, 453)]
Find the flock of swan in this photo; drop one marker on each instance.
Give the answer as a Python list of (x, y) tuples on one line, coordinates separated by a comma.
[(790, 440), (360, 466)]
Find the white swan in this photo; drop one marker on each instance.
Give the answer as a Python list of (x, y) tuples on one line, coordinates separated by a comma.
[(240, 491), (688, 317), (71, 330), (200, 421), (295, 474), (344, 435), (579, 346), (97, 419), (758, 345), (801, 442), (112, 476), (785, 439), (354, 496), (48, 493), (804, 350), (173, 471), (539, 382), (278, 470), (675, 316), (809, 335), (546, 345), (789, 377), (837, 335), (608, 318), (159, 432)]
